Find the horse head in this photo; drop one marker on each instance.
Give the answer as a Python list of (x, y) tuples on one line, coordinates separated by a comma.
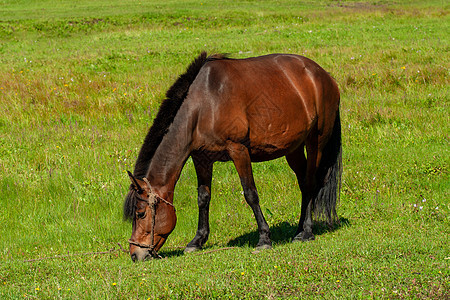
[(153, 219)]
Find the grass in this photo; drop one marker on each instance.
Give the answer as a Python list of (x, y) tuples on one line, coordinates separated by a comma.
[(80, 83)]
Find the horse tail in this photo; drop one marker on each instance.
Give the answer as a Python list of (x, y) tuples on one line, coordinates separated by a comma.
[(329, 176)]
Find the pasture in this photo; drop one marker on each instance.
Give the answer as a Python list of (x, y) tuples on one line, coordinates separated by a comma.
[(81, 81)]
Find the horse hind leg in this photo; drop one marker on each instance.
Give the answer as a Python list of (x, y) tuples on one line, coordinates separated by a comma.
[(323, 175), (304, 169), (297, 162), (204, 177)]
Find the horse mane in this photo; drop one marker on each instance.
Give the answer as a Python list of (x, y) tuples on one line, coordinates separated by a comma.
[(175, 96)]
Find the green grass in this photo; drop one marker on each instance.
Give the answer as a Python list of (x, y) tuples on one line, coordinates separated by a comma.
[(80, 83)]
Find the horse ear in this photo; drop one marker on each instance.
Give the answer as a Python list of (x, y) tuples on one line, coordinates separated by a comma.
[(135, 183)]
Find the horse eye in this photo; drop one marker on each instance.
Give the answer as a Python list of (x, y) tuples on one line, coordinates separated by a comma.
[(140, 215)]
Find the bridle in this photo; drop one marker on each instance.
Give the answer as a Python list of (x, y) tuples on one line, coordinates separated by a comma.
[(152, 202)]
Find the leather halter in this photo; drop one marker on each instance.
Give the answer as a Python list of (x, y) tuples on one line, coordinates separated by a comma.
[(152, 202)]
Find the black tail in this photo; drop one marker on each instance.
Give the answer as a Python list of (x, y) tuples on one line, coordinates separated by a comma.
[(329, 177)]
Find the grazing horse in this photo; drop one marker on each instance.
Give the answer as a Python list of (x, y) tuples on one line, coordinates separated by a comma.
[(243, 110)]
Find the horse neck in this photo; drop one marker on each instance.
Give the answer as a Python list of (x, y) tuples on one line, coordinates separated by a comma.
[(171, 155)]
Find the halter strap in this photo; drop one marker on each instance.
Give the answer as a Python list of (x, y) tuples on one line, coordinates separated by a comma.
[(155, 199)]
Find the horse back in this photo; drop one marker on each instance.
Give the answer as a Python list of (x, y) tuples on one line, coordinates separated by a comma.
[(270, 103)]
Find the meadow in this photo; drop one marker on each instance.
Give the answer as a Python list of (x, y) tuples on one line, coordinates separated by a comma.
[(81, 81)]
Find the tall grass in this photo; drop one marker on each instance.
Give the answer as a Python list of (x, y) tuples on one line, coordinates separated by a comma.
[(80, 83)]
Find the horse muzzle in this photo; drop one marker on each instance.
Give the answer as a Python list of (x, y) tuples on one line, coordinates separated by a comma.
[(143, 254)]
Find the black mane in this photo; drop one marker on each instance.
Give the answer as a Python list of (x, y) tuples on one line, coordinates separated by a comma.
[(166, 114)]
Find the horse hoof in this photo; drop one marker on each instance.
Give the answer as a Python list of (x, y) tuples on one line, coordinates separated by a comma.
[(304, 237), (262, 248), (191, 249)]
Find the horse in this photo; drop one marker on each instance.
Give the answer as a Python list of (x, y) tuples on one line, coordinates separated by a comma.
[(244, 110)]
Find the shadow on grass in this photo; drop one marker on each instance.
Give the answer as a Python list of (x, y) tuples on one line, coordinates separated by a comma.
[(283, 233), (172, 253)]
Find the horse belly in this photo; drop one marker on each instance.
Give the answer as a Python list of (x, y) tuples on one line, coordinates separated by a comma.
[(267, 142)]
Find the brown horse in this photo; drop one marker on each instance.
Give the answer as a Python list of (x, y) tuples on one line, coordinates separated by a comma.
[(243, 110)]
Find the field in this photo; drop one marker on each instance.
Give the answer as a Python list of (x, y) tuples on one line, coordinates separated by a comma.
[(81, 81)]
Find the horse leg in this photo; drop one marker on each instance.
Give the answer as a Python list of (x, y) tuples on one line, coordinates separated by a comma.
[(298, 163), (307, 184), (241, 158), (204, 177)]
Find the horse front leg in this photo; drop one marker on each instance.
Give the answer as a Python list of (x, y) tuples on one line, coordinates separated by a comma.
[(241, 158), (204, 176)]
